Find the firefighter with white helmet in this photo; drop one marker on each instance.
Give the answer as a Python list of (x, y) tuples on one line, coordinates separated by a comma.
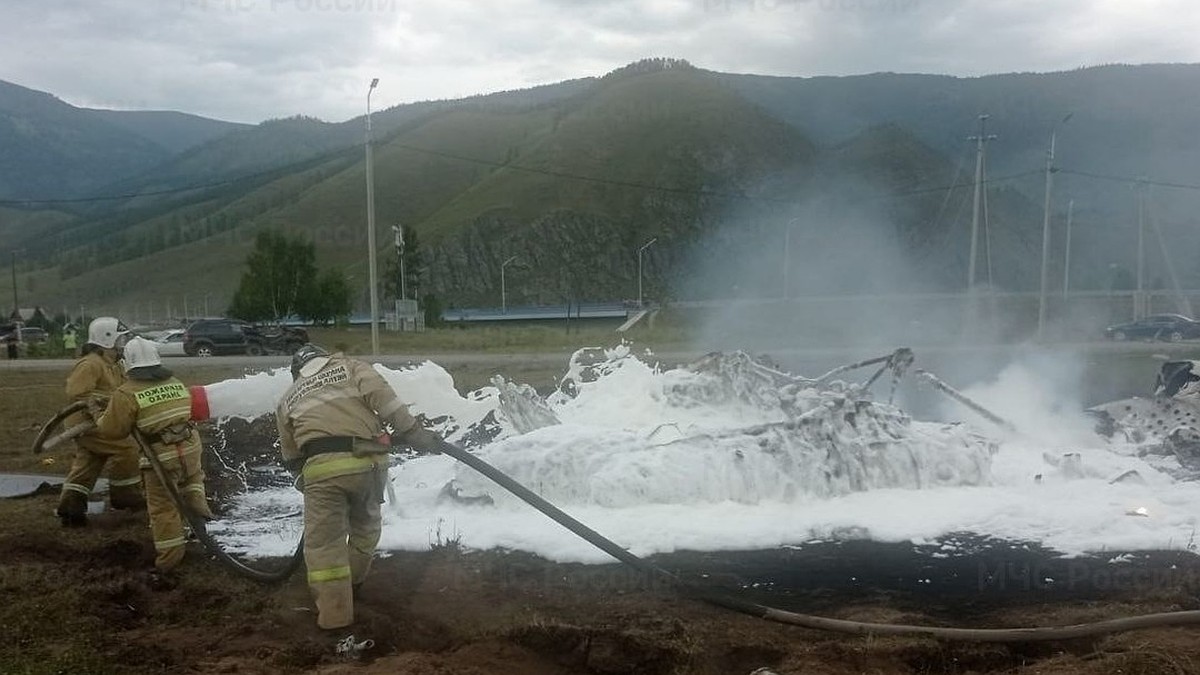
[(155, 407), (94, 377), (332, 438)]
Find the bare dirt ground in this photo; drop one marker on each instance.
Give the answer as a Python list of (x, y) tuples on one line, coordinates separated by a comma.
[(80, 601)]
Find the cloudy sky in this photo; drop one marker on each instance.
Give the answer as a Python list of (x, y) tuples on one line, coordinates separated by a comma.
[(250, 60)]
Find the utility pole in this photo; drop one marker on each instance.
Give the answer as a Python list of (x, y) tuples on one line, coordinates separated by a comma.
[(1045, 280), (787, 256), (1067, 258), (980, 149), (16, 303), (398, 232), (503, 288), (640, 252), (1139, 298), (1181, 298), (371, 229)]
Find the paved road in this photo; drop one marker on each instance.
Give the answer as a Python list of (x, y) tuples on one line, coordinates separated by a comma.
[(787, 356), (282, 361)]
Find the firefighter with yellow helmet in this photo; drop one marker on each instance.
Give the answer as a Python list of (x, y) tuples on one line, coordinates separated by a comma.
[(331, 437), (156, 408), (94, 377)]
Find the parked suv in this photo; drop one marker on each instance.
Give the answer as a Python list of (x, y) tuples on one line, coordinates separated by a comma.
[(285, 339), (209, 337)]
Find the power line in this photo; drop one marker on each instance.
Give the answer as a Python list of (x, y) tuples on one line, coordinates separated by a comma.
[(167, 191), (1129, 179), (493, 164), (110, 198), (661, 188)]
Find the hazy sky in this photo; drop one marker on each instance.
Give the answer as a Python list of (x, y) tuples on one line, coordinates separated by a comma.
[(249, 60)]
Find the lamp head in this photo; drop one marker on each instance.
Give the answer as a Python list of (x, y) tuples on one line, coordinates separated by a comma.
[(374, 81)]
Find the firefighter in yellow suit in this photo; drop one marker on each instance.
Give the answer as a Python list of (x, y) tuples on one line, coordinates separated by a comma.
[(95, 376), (156, 408), (331, 437)]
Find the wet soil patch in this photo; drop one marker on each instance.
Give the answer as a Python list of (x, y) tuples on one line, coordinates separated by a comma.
[(962, 577)]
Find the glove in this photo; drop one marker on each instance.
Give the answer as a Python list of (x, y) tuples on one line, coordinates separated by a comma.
[(423, 440), (96, 407)]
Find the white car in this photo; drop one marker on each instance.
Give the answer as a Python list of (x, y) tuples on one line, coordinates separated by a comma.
[(170, 343)]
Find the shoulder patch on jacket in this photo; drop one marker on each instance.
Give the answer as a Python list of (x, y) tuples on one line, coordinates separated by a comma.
[(333, 375), (172, 391)]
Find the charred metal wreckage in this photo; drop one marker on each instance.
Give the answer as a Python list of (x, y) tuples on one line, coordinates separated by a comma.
[(1164, 428)]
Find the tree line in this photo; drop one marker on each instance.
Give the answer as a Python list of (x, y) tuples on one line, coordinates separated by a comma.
[(282, 281)]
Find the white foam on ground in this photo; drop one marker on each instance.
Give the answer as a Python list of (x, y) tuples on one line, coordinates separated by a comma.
[(660, 461)]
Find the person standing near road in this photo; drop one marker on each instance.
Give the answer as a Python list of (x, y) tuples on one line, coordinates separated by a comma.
[(156, 409), (70, 340), (332, 439), (93, 379)]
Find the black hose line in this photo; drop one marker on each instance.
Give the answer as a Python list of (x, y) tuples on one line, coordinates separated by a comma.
[(199, 527), (197, 522), (39, 443), (1042, 634)]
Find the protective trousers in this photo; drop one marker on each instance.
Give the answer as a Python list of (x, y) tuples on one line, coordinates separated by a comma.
[(166, 523), (124, 479), (341, 529)]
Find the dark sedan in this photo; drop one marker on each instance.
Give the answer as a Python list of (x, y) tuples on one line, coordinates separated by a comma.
[(1172, 327)]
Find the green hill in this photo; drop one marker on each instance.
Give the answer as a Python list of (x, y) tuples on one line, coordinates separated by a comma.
[(53, 150), (852, 173)]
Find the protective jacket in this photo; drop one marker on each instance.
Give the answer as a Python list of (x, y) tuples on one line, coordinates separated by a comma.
[(158, 413), (328, 425), (346, 399), (95, 376)]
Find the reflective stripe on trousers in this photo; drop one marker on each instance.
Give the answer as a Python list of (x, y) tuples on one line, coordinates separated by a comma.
[(341, 529)]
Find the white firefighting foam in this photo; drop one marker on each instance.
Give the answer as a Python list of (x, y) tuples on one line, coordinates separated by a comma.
[(730, 455)]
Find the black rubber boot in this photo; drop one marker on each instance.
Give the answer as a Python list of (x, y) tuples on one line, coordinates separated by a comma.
[(72, 509), (72, 519), (160, 580)]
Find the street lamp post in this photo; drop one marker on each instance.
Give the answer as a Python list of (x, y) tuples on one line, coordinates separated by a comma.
[(787, 255), (1045, 281), (1067, 257), (503, 288), (13, 260), (371, 228), (640, 252)]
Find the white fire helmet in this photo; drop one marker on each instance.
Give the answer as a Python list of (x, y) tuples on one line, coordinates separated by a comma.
[(140, 353), (104, 332)]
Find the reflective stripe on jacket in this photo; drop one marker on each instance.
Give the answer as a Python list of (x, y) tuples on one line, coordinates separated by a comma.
[(345, 398)]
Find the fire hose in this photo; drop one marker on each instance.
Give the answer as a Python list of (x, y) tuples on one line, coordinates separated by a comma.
[(1036, 634), (200, 528), (195, 521)]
